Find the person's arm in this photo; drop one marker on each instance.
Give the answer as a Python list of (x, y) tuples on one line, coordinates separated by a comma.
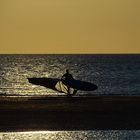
[(62, 78), (71, 77)]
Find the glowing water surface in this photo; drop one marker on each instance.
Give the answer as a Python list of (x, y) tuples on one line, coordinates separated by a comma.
[(72, 135), (114, 74)]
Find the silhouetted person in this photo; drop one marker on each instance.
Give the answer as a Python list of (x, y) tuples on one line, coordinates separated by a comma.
[(68, 77)]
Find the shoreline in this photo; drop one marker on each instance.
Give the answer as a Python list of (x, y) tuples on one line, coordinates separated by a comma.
[(70, 113)]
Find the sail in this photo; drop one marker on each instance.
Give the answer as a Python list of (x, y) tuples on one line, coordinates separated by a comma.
[(62, 87)]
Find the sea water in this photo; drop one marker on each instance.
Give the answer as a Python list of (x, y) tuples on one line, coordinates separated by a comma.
[(72, 135), (113, 74)]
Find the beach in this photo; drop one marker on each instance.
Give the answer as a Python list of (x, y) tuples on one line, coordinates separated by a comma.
[(69, 113)]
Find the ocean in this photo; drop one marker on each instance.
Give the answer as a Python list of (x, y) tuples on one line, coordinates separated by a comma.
[(113, 74), (72, 135)]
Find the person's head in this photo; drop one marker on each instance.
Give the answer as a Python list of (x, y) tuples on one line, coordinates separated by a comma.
[(67, 71)]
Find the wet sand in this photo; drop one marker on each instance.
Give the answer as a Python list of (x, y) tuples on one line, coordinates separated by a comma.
[(69, 113)]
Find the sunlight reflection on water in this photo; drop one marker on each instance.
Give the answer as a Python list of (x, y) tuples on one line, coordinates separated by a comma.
[(71, 135), (114, 74)]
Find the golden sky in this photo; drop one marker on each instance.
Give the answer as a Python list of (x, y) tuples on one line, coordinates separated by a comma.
[(69, 26)]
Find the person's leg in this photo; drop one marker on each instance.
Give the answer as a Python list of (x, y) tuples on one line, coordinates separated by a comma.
[(68, 90)]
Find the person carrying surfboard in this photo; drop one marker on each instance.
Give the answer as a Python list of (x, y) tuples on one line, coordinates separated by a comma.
[(68, 77)]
